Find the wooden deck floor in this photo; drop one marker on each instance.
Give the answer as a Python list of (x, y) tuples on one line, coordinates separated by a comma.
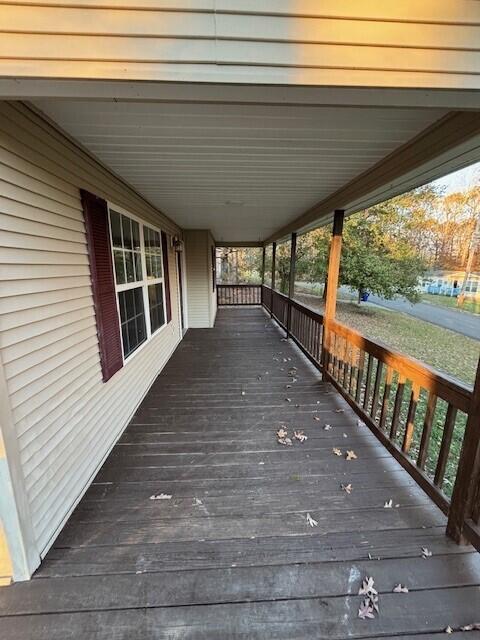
[(231, 554)]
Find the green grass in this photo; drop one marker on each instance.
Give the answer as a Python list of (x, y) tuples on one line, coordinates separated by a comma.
[(470, 306), (442, 349)]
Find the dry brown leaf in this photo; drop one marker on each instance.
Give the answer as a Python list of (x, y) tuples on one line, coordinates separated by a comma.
[(366, 610), (327, 427), (400, 589), (347, 488), (448, 629), (474, 626), (316, 418), (282, 433), (350, 455), (426, 553), (339, 410), (367, 588), (161, 496), (388, 504), (285, 441), (336, 451), (299, 435), (311, 521), (288, 399)]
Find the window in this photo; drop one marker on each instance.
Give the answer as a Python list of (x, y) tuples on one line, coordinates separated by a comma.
[(139, 279)]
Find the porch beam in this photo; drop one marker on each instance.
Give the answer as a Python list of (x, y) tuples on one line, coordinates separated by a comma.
[(332, 279), (450, 131), (291, 283), (239, 244), (467, 484)]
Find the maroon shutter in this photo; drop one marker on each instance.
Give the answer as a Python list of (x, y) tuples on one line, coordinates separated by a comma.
[(95, 212), (166, 277)]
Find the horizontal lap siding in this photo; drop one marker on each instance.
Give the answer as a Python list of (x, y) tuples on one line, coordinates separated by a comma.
[(405, 43), (66, 418)]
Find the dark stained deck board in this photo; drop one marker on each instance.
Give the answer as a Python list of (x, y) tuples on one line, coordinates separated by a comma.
[(231, 554)]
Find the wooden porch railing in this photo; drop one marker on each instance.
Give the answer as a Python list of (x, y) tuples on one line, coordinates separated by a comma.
[(419, 414), (238, 294)]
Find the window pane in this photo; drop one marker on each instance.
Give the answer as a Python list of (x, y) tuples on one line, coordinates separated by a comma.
[(136, 235), (138, 265), (127, 232), (155, 300), (119, 267), (129, 266), (116, 228), (132, 315)]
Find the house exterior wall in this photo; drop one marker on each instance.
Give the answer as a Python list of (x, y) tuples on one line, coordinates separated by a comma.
[(62, 419), (201, 299), (407, 43)]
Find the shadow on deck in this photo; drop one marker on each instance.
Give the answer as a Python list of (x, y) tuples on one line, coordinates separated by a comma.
[(231, 554)]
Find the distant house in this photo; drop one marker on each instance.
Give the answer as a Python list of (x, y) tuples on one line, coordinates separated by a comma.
[(449, 283)]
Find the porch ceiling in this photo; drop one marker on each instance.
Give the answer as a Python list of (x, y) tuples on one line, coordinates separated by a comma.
[(242, 170)]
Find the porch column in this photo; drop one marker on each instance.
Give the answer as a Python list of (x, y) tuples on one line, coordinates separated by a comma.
[(274, 250), (291, 284), (467, 484), (332, 280)]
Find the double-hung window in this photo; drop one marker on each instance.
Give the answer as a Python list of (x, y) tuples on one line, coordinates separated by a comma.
[(139, 279)]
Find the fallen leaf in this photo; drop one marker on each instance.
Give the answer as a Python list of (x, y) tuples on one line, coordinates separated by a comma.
[(161, 496), (316, 418), (311, 521), (198, 501), (426, 553), (337, 451), (448, 629), (299, 435), (347, 488), (366, 610), (360, 423), (288, 386), (350, 455), (400, 589), (327, 427), (388, 504), (288, 399), (345, 435), (339, 410), (367, 588), (285, 441), (282, 433), (475, 626)]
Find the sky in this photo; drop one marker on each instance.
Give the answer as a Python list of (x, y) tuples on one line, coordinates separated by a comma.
[(460, 180)]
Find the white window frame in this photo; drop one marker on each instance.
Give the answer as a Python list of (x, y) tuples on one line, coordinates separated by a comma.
[(144, 283)]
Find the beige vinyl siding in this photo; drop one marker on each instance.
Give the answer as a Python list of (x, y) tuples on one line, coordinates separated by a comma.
[(201, 300), (406, 43), (65, 419)]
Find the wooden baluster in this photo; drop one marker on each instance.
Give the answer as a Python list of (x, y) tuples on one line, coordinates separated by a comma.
[(445, 446), (427, 430), (376, 389), (386, 397), (466, 492), (353, 369), (368, 381), (345, 357), (397, 407), (410, 426), (361, 364)]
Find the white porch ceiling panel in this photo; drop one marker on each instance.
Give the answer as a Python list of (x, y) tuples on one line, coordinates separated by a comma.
[(241, 170)]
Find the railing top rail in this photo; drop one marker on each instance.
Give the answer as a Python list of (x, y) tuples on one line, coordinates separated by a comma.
[(243, 284)]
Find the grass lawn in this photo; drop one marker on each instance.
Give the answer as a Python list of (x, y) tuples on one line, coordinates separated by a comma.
[(442, 349), (470, 306)]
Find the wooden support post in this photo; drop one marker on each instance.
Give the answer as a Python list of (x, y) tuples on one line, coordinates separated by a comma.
[(467, 483), (291, 284), (332, 279), (274, 251), (263, 265)]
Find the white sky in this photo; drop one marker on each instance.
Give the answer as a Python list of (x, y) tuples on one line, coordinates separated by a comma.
[(460, 180)]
